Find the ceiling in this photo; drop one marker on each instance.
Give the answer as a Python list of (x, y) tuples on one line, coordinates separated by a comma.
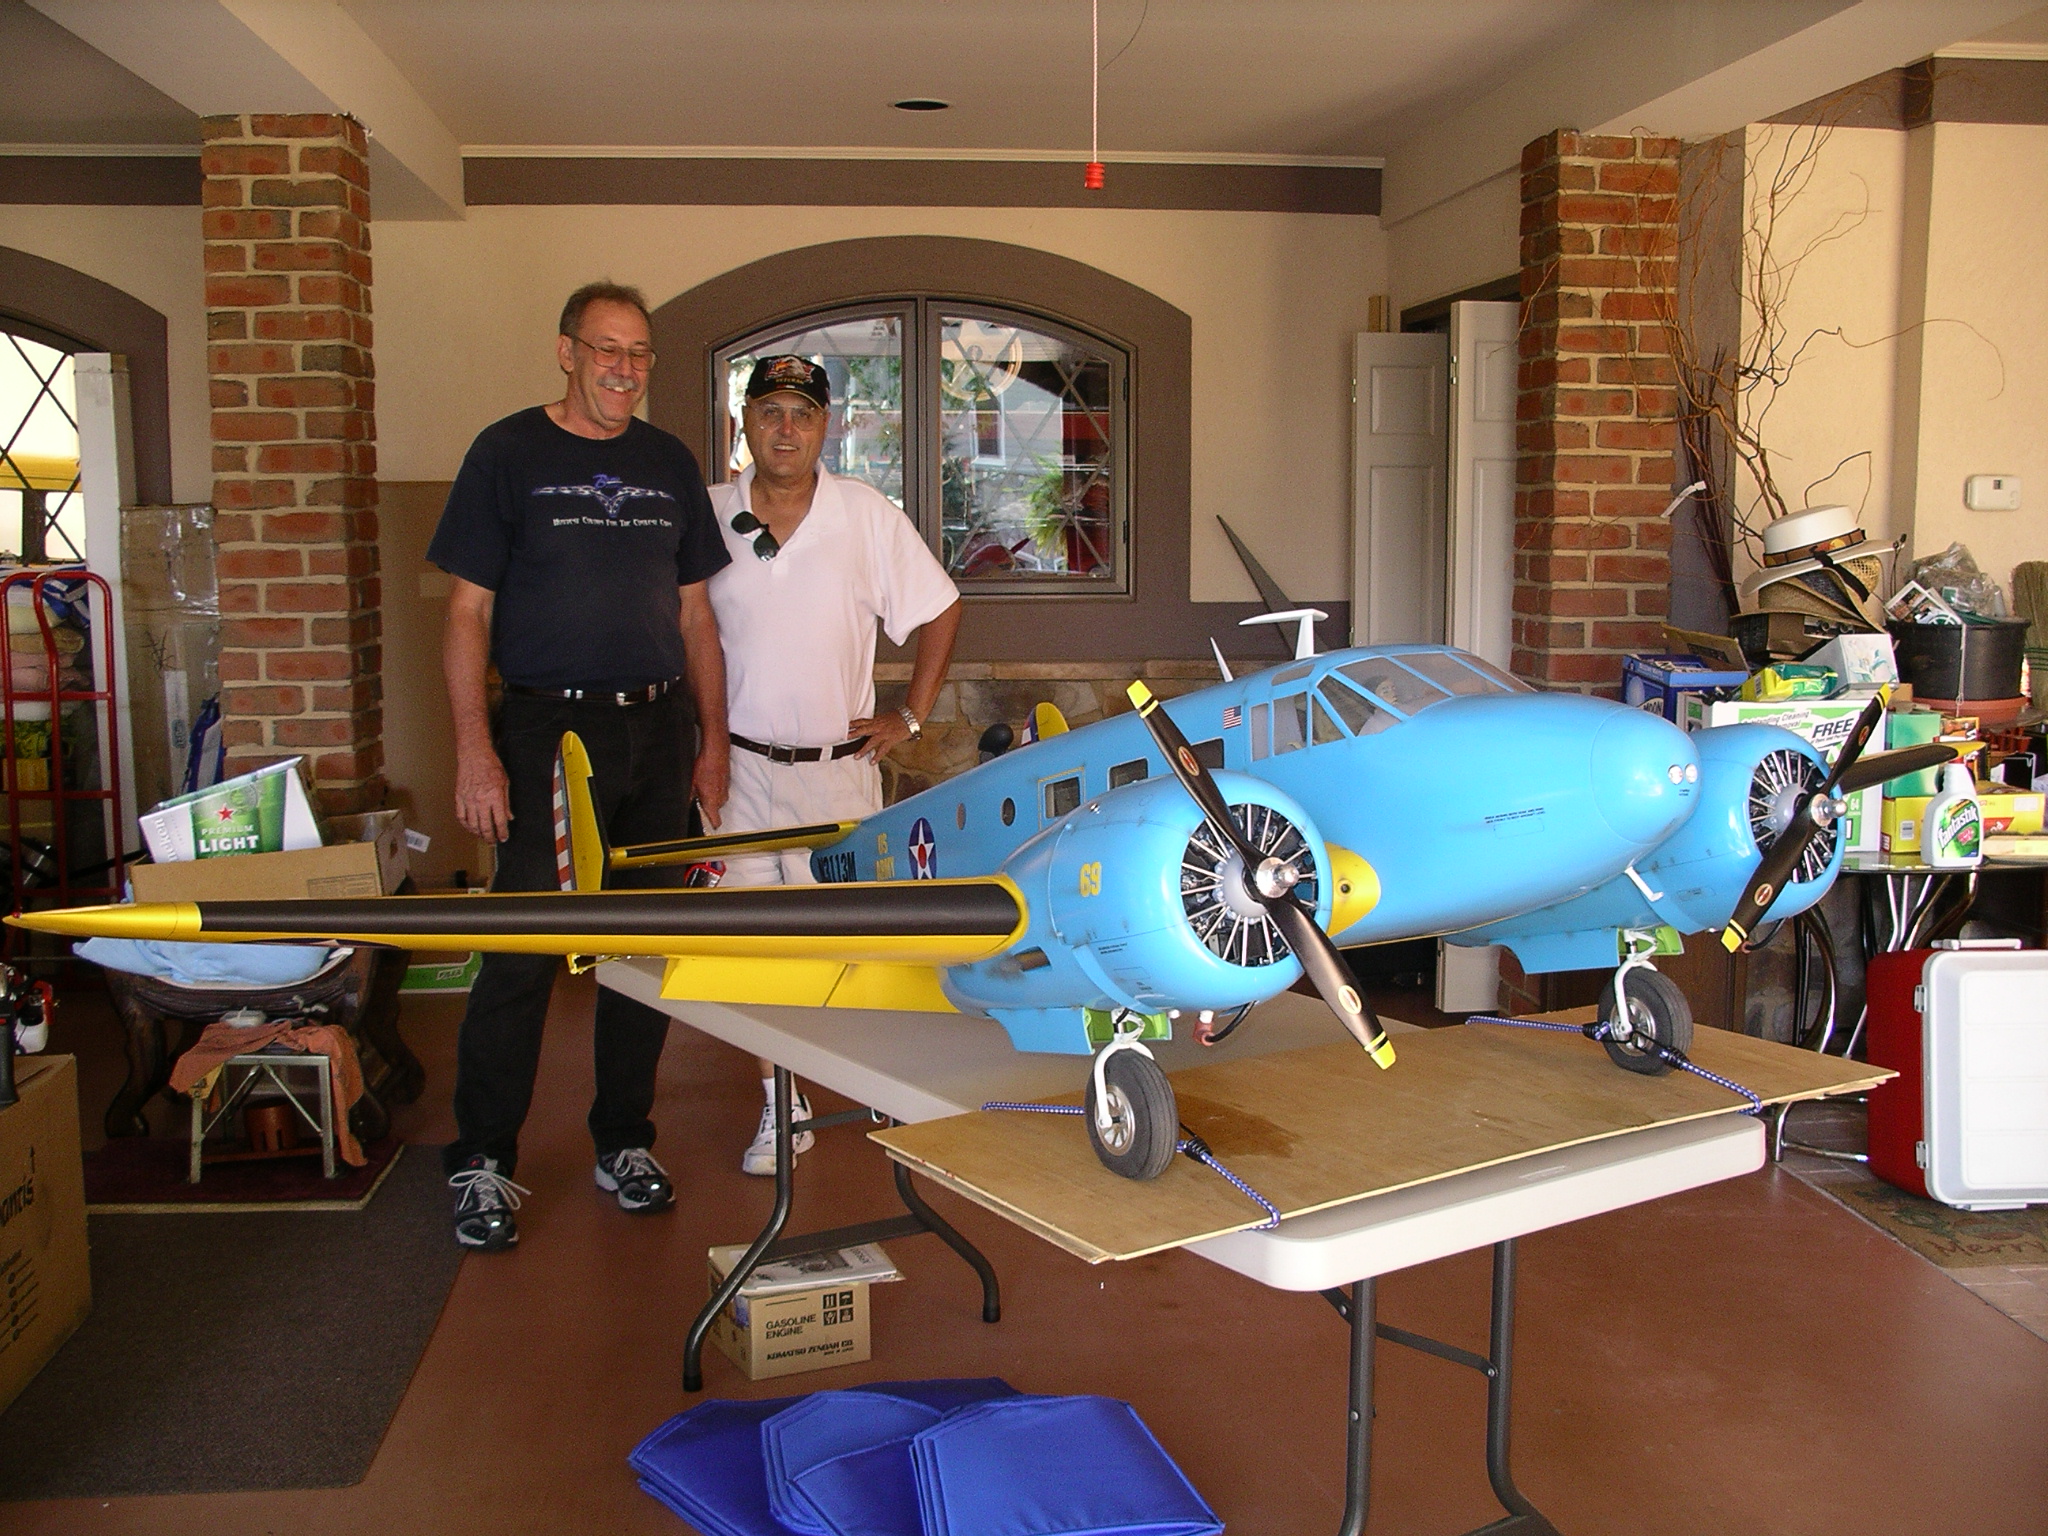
[(1293, 79)]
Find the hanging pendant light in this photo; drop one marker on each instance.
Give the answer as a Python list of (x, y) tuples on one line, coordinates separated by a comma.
[(1091, 179)]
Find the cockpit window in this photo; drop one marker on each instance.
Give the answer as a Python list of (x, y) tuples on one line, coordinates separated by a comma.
[(1326, 729), (1352, 707), (1260, 740), (1491, 673), (1394, 685), (1290, 723), (1293, 674), (1448, 673)]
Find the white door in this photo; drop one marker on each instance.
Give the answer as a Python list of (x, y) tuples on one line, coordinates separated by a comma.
[(1482, 479), (1480, 562), (1399, 441)]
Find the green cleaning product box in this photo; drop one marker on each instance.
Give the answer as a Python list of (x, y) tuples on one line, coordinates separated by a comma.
[(260, 812)]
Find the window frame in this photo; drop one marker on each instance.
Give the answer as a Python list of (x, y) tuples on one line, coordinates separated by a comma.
[(922, 316)]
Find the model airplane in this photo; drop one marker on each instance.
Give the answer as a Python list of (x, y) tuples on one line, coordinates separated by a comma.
[(1188, 860)]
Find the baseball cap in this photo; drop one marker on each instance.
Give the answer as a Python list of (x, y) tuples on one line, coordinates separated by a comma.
[(797, 374)]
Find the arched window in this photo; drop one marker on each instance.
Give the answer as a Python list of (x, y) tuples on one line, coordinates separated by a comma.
[(42, 516), (1000, 432)]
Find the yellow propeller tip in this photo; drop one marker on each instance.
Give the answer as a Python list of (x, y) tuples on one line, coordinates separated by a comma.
[(1139, 694), (1731, 940), (1382, 1052)]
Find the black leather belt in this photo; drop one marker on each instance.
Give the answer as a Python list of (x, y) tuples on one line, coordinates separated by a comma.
[(799, 754), (625, 700)]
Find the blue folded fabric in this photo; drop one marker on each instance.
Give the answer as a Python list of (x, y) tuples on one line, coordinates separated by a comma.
[(208, 965), (1052, 1466), (869, 1492), (829, 1425), (821, 1428), (706, 1466)]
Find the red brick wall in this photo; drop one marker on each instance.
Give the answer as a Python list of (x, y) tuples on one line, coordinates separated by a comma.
[(1597, 411), (286, 221)]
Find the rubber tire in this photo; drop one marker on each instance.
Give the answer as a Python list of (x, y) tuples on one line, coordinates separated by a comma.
[(1670, 1019), (1156, 1119)]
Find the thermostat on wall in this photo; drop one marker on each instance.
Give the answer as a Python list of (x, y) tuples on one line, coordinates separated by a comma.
[(1992, 493)]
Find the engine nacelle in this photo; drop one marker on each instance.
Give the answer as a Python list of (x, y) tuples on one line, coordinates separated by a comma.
[(1134, 904)]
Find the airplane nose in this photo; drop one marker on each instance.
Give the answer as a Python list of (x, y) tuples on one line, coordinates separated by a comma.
[(1645, 775)]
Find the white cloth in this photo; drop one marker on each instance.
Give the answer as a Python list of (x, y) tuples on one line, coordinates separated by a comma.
[(799, 630), (765, 795)]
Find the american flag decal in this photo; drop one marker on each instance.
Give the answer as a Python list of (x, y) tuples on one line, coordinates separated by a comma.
[(565, 868), (1233, 714)]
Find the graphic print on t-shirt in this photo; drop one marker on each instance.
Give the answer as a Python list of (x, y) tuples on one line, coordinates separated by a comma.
[(611, 493)]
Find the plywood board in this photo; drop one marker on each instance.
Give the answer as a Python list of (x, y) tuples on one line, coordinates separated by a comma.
[(1314, 1128)]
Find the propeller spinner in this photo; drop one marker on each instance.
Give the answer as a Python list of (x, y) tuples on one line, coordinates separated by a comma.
[(1271, 884)]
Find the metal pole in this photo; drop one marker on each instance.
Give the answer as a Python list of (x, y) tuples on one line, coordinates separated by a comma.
[(1501, 1350)]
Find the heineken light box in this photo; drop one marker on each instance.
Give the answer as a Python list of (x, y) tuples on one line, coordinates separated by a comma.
[(260, 812)]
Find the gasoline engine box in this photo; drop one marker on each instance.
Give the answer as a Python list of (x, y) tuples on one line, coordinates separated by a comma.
[(45, 1290), (367, 858), (800, 1314), (1827, 725)]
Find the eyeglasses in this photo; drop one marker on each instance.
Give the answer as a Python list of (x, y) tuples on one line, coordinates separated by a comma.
[(611, 354), (766, 546), (802, 417)]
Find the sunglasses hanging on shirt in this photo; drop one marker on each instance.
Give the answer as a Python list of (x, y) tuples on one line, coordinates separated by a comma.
[(766, 547)]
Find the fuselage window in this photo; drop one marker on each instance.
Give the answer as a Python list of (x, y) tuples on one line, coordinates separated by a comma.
[(960, 815), (1262, 741), (1127, 773), (1009, 812), (1395, 685), (1354, 709), (1290, 723), (1209, 753), (1447, 672), (1062, 796)]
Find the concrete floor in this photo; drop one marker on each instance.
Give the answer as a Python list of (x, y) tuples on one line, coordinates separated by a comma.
[(1746, 1358)]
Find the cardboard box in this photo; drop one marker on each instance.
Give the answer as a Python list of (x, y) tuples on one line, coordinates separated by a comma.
[(1657, 683), (799, 1315), (45, 1288), (261, 812), (1900, 832), (2010, 812), (371, 862), (1825, 723), (436, 974)]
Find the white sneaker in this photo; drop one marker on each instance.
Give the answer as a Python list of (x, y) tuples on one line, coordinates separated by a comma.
[(759, 1159)]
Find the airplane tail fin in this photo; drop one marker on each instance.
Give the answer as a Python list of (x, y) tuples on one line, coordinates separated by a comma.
[(582, 852)]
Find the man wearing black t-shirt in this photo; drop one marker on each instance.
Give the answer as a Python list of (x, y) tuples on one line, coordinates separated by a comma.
[(580, 539)]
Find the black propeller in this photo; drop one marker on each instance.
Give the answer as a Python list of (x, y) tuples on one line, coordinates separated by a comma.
[(1271, 883), (1818, 809)]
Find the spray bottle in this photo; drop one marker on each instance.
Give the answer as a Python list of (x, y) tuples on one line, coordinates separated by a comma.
[(1952, 827)]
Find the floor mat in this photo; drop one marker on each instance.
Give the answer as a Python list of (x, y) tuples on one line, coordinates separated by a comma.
[(231, 1353), (138, 1174), (1951, 1238)]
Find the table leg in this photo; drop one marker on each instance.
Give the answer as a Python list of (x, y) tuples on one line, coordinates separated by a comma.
[(1357, 1308), (785, 1159)]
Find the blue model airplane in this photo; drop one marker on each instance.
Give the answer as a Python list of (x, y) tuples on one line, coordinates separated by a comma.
[(1192, 858)]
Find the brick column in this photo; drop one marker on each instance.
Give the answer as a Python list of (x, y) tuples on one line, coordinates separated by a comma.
[(286, 221), (1597, 413)]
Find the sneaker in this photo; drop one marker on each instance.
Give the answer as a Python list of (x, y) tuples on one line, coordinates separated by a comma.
[(759, 1159), (637, 1179), (484, 1202)]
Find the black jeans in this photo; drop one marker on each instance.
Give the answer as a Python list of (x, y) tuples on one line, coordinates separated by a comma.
[(640, 759)]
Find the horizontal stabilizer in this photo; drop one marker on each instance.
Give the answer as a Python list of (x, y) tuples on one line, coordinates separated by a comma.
[(908, 922)]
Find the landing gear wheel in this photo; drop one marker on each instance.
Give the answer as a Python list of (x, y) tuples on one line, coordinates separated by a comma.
[(1657, 1010), (1144, 1125)]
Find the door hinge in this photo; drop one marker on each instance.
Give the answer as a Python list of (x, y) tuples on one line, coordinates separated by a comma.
[(1919, 1154), (1920, 999)]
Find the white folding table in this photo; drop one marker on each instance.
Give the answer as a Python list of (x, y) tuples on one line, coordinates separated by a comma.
[(913, 1067)]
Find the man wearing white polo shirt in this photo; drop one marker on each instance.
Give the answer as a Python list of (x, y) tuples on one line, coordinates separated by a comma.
[(817, 562)]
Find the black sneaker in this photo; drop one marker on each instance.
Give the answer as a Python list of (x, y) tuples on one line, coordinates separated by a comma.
[(484, 1202), (640, 1182)]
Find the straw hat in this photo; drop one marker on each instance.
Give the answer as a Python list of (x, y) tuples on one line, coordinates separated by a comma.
[(1811, 564)]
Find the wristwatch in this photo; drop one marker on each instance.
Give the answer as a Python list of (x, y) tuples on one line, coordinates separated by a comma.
[(916, 725)]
